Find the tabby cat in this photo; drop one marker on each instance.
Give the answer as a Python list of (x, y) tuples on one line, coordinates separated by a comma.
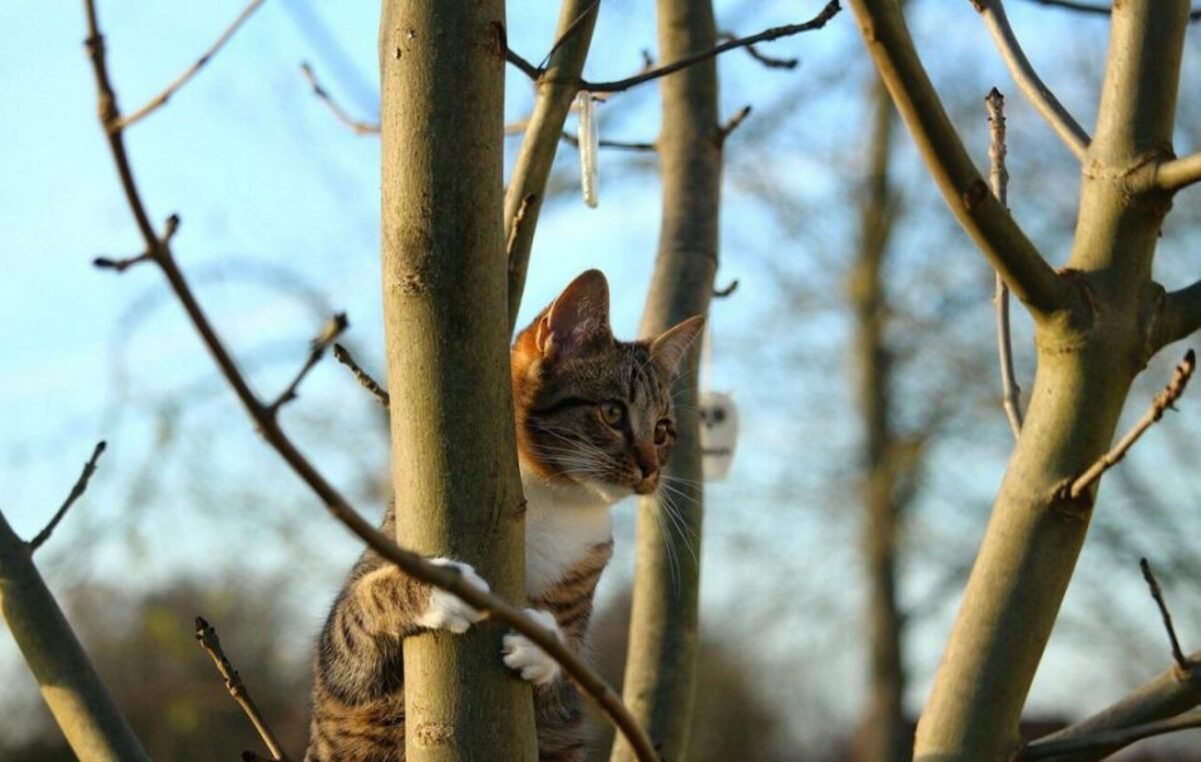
[(594, 425)]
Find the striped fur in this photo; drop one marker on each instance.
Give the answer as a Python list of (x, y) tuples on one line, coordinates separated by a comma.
[(594, 425)]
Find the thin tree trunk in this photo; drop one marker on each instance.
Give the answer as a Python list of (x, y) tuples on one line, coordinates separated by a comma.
[(883, 736), (90, 720), (454, 468), (1086, 361), (660, 670)]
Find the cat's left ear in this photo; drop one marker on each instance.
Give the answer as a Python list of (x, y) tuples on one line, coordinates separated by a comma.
[(577, 320), (668, 348)]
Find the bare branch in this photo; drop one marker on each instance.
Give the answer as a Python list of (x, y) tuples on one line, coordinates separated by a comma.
[(77, 490), (1161, 403), (524, 66), (1100, 10), (206, 636), (1072, 134), (1178, 173), (1104, 744), (1003, 243), (558, 86), (722, 293), (998, 178), (775, 33), (732, 123), (622, 145), (360, 127), (445, 578), (332, 329), (1157, 595), (165, 95), (768, 61), (343, 356), (1179, 317)]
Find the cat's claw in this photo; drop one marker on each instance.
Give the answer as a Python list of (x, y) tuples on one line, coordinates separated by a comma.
[(523, 656), (446, 610)]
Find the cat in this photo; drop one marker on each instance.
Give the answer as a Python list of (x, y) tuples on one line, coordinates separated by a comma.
[(595, 424)]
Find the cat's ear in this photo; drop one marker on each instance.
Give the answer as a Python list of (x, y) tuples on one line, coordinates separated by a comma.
[(668, 348), (577, 319)]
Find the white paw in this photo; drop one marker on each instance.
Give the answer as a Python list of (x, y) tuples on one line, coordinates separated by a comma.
[(526, 658), (446, 610)]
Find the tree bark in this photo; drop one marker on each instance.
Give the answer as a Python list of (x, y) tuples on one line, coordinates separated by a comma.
[(883, 736), (454, 468), (1086, 361), (660, 670), (90, 720)]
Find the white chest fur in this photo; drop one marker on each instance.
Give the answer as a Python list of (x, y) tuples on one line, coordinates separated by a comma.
[(562, 524)]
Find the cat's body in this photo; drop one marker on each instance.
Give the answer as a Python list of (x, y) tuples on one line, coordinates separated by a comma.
[(594, 425)]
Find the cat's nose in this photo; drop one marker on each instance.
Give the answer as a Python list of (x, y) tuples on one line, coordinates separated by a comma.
[(648, 467)]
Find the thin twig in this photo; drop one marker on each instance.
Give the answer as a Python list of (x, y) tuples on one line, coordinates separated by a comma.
[(445, 578), (206, 636), (77, 490), (380, 393), (527, 68), (768, 61), (1020, 68), (515, 229), (721, 293), (332, 329), (1161, 403), (1178, 173), (998, 177), (621, 145), (732, 123), (165, 95), (1157, 594), (1101, 10), (1112, 739), (576, 24), (359, 126), (775, 33)]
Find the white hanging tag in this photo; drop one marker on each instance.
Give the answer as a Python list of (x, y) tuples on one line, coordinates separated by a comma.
[(719, 421), (589, 146)]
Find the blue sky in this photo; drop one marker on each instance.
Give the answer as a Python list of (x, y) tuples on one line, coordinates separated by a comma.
[(280, 217)]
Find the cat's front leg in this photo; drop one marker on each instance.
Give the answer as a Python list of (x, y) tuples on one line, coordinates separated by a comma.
[(526, 658), (390, 602)]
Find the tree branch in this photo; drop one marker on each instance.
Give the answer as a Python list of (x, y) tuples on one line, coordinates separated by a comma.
[(1100, 10), (90, 720), (332, 329), (775, 33), (187, 74), (1161, 604), (1045, 102), (1161, 403), (206, 636), (768, 61), (380, 393), (77, 490), (1003, 243), (557, 88), (360, 127), (446, 578), (998, 177), (1179, 317), (1102, 744), (1179, 173)]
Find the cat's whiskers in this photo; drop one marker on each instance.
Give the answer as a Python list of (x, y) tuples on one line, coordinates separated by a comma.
[(672, 511)]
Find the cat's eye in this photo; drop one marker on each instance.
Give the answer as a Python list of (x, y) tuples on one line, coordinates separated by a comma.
[(662, 430), (612, 413)]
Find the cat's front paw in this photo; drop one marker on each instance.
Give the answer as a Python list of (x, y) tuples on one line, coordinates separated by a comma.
[(446, 610), (523, 656)]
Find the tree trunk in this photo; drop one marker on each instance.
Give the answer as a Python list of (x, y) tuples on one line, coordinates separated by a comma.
[(883, 736), (454, 468), (90, 720), (660, 670), (1086, 361)]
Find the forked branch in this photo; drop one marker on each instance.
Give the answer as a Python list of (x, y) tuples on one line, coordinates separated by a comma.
[(1020, 68), (1003, 243)]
